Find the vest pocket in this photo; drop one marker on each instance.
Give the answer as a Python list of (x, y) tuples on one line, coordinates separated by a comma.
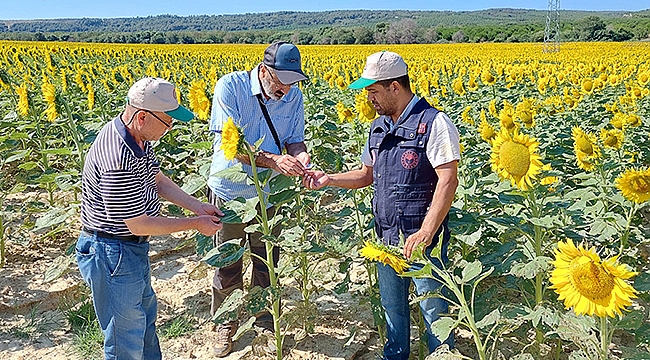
[(410, 214)]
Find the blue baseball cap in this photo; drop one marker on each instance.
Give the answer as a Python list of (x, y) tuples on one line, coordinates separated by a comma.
[(284, 58)]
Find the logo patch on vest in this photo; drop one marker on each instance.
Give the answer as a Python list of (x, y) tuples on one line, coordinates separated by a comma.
[(410, 159), (422, 128)]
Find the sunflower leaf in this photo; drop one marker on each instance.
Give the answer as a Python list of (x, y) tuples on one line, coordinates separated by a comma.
[(442, 327), (642, 282), (471, 271), (225, 254), (489, 319), (234, 173), (230, 308)]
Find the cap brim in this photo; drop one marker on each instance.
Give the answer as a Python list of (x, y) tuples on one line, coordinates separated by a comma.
[(289, 77), (361, 83), (181, 113)]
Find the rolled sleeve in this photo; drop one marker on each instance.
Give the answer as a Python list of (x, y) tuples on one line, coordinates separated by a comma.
[(443, 145)]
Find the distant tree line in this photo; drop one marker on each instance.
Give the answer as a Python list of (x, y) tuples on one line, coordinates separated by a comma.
[(408, 28)]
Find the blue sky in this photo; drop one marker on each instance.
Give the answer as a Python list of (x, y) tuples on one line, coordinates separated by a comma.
[(49, 9)]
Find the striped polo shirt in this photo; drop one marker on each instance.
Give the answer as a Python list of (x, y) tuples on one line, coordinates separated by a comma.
[(235, 97), (118, 181)]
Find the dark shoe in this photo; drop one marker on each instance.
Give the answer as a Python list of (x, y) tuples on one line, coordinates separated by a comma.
[(223, 342)]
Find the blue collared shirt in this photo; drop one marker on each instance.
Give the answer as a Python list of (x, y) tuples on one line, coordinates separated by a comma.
[(235, 96)]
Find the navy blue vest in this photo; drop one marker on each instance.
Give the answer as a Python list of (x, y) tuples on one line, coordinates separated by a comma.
[(403, 178)]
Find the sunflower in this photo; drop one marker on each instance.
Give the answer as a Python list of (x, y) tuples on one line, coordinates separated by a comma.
[(525, 111), (49, 95), (584, 145), (199, 102), (364, 108), (635, 185), (487, 78), (472, 85), (506, 117), (485, 129), (548, 180), (64, 80), (466, 117), (232, 140), (344, 113), (493, 108), (612, 138), (424, 85), (385, 255), (633, 120), (618, 121), (589, 285), (514, 157), (23, 100), (340, 83), (587, 86), (91, 96), (458, 87)]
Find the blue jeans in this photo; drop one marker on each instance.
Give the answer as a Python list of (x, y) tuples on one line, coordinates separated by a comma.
[(118, 273), (394, 292)]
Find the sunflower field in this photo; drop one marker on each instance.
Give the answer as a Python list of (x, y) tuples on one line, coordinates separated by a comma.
[(550, 226)]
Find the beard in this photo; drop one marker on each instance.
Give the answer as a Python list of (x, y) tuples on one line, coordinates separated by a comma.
[(387, 108), (267, 86)]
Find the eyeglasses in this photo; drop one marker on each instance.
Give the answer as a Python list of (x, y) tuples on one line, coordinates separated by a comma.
[(276, 79), (168, 126)]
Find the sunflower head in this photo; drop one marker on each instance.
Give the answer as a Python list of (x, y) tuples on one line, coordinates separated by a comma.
[(612, 138), (344, 113), (23, 100), (585, 147), (385, 255), (199, 102), (587, 284), (457, 85), (506, 116), (635, 185), (232, 139), (487, 78), (364, 108), (514, 157), (485, 129)]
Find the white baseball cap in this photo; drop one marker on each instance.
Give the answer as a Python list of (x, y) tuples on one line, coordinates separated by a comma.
[(383, 65), (155, 94)]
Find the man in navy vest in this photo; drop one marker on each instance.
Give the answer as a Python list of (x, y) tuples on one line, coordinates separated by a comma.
[(411, 159)]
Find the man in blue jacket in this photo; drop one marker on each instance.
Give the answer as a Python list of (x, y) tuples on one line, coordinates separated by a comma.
[(411, 158)]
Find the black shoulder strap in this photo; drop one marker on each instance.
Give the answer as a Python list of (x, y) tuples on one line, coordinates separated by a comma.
[(268, 122)]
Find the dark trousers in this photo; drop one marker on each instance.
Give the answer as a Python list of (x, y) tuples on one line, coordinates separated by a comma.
[(228, 279)]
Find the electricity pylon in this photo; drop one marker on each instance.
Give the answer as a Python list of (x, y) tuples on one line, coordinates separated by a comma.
[(552, 30)]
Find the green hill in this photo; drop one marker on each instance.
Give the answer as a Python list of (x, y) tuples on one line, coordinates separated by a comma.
[(344, 26)]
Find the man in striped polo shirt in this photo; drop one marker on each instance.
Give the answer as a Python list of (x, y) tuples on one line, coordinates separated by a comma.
[(245, 96), (120, 209)]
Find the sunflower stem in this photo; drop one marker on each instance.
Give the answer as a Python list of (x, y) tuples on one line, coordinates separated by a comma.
[(270, 263), (604, 337), (626, 232), (537, 245)]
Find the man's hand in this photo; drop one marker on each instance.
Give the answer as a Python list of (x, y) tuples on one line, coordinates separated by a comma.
[(412, 242), (315, 179), (304, 158), (289, 165), (208, 225), (208, 209)]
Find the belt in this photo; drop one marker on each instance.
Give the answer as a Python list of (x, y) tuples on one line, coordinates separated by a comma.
[(105, 235)]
